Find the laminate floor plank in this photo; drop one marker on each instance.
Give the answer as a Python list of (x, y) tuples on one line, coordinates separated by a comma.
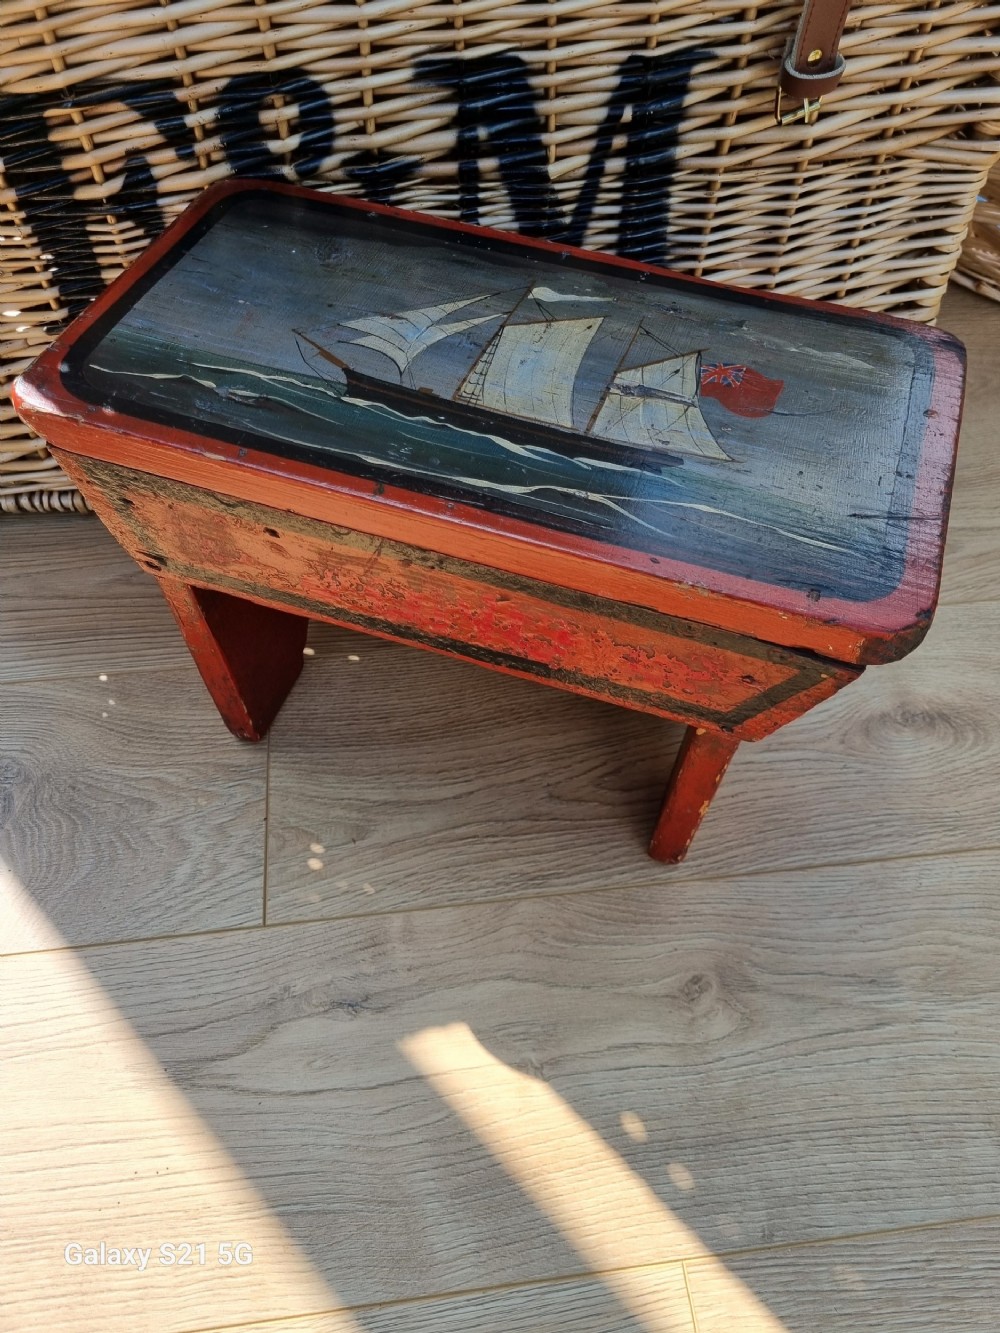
[(72, 602), (971, 565), (427, 1103), (937, 1281), (972, 553), (401, 780), (581, 1306), (126, 810)]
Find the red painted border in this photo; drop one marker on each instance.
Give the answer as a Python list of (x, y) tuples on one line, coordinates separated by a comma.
[(844, 630)]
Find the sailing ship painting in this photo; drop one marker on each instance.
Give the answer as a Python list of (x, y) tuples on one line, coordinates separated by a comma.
[(526, 379), (683, 423)]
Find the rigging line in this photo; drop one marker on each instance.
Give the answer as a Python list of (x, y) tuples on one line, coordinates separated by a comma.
[(503, 291), (313, 370), (662, 342), (625, 354), (299, 339), (546, 312)]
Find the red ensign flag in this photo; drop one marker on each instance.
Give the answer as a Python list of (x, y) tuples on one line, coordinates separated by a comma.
[(742, 390)]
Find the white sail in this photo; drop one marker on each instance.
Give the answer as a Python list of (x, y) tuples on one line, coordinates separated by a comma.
[(404, 336), (656, 407), (529, 370)]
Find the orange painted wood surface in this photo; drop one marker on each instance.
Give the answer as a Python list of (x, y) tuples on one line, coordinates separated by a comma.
[(592, 646), (249, 656), (700, 766)]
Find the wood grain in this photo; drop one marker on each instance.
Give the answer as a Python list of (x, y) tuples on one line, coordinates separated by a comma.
[(701, 765), (606, 650), (428, 782), (125, 811), (401, 779), (583, 1306), (72, 602), (934, 1281), (454, 1100), (971, 564), (902, 764), (972, 553)]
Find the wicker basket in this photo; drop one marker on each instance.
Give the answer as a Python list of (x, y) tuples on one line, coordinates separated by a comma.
[(979, 266), (644, 127)]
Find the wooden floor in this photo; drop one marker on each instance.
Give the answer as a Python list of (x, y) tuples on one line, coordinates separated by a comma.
[(397, 1000)]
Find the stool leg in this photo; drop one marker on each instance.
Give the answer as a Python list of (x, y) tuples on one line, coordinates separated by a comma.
[(703, 758), (249, 656)]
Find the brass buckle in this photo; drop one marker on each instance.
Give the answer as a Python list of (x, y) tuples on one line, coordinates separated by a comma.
[(808, 111)]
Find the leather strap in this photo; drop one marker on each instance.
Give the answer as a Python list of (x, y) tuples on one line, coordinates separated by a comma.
[(813, 65)]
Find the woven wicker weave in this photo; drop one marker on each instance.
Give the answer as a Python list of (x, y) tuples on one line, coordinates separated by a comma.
[(653, 120), (979, 266)]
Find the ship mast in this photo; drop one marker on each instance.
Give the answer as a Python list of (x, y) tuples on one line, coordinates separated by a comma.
[(528, 369), (324, 352), (466, 388), (618, 365)]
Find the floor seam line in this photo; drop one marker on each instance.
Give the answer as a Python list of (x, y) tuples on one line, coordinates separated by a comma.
[(597, 1274), (823, 1242), (461, 1293), (504, 901), (690, 1298)]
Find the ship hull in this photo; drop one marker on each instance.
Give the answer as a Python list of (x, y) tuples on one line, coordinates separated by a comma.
[(517, 430)]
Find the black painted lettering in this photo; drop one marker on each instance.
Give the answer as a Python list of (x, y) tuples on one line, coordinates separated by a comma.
[(245, 141), (496, 117), (379, 175), (34, 170), (654, 89)]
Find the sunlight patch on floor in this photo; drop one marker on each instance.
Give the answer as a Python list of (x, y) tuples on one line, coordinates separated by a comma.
[(587, 1191), (75, 1073)]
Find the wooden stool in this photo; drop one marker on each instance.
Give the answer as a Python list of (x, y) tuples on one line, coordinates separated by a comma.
[(708, 504)]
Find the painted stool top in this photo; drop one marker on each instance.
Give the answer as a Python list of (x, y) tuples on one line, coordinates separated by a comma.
[(779, 452)]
